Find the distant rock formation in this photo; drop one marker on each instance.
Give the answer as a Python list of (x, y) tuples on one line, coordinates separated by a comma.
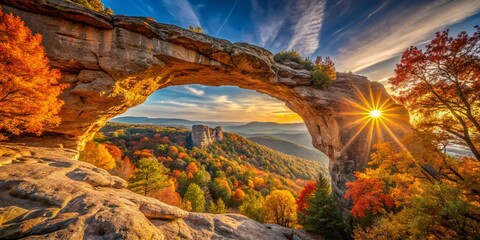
[(203, 136)]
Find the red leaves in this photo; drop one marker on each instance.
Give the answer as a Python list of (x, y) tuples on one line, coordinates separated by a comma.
[(368, 194), (305, 194), (441, 84)]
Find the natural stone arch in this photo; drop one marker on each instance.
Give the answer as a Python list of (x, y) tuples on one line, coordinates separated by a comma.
[(114, 63)]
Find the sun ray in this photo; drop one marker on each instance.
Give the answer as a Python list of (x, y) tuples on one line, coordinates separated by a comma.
[(374, 113)]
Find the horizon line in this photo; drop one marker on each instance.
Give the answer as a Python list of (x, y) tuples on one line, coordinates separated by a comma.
[(208, 121)]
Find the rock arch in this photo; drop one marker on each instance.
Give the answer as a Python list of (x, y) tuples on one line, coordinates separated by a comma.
[(114, 63)]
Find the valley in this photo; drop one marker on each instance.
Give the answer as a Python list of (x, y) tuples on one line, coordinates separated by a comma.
[(292, 139)]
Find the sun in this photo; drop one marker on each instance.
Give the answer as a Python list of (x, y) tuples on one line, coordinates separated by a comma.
[(375, 113)]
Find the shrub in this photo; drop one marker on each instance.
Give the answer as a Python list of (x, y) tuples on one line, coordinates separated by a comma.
[(95, 5), (323, 72), (321, 79), (293, 56), (196, 29)]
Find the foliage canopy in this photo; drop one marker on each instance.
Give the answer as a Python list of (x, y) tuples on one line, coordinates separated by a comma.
[(29, 89)]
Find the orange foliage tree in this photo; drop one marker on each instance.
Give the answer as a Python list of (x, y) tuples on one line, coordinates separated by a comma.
[(97, 155), (238, 195), (144, 153), (368, 194), (191, 168), (416, 192), (169, 196), (29, 89), (114, 151), (440, 86)]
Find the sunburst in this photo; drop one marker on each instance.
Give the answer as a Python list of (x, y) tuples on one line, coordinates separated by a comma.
[(376, 114)]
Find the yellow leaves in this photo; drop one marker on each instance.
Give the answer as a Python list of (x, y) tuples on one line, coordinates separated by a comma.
[(98, 155), (280, 207)]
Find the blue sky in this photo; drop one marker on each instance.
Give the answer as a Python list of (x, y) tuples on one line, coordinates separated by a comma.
[(366, 37)]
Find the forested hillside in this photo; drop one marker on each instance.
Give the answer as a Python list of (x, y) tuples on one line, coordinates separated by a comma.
[(290, 148), (231, 170)]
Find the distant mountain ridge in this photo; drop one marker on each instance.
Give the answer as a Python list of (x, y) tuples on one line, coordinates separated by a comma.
[(171, 121), (296, 133), (289, 148), (243, 127), (268, 128)]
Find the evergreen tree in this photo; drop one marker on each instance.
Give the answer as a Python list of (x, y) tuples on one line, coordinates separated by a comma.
[(212, 207), (149, 177), (195, 196), (221, 206), (322, 215)]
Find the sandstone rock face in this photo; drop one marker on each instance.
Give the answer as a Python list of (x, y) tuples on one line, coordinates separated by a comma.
[(203, 136), (114, 63), (293, 234), (46, 194)]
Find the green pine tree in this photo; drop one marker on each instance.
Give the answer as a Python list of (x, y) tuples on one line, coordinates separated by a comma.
[(196, 196), (212, 208), (149, 176), (221, 206), (322, 215)]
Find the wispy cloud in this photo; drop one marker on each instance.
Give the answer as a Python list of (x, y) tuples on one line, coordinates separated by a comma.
[(177, 103), (295, 26), (138, 7), (226, 19), (195, 91), (232, 104), (382, 6), (390, 36), (183, 11)]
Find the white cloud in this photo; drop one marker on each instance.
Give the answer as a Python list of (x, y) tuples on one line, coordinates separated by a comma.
[(195, 91), (307, 29), (183, 11), (177, 103), (389, 37), (295, 27), (221, 99)]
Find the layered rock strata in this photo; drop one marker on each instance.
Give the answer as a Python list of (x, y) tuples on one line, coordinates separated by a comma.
[(203, 136)]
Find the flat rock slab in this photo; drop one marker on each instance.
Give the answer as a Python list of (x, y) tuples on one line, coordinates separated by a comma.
[(45, 193)]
